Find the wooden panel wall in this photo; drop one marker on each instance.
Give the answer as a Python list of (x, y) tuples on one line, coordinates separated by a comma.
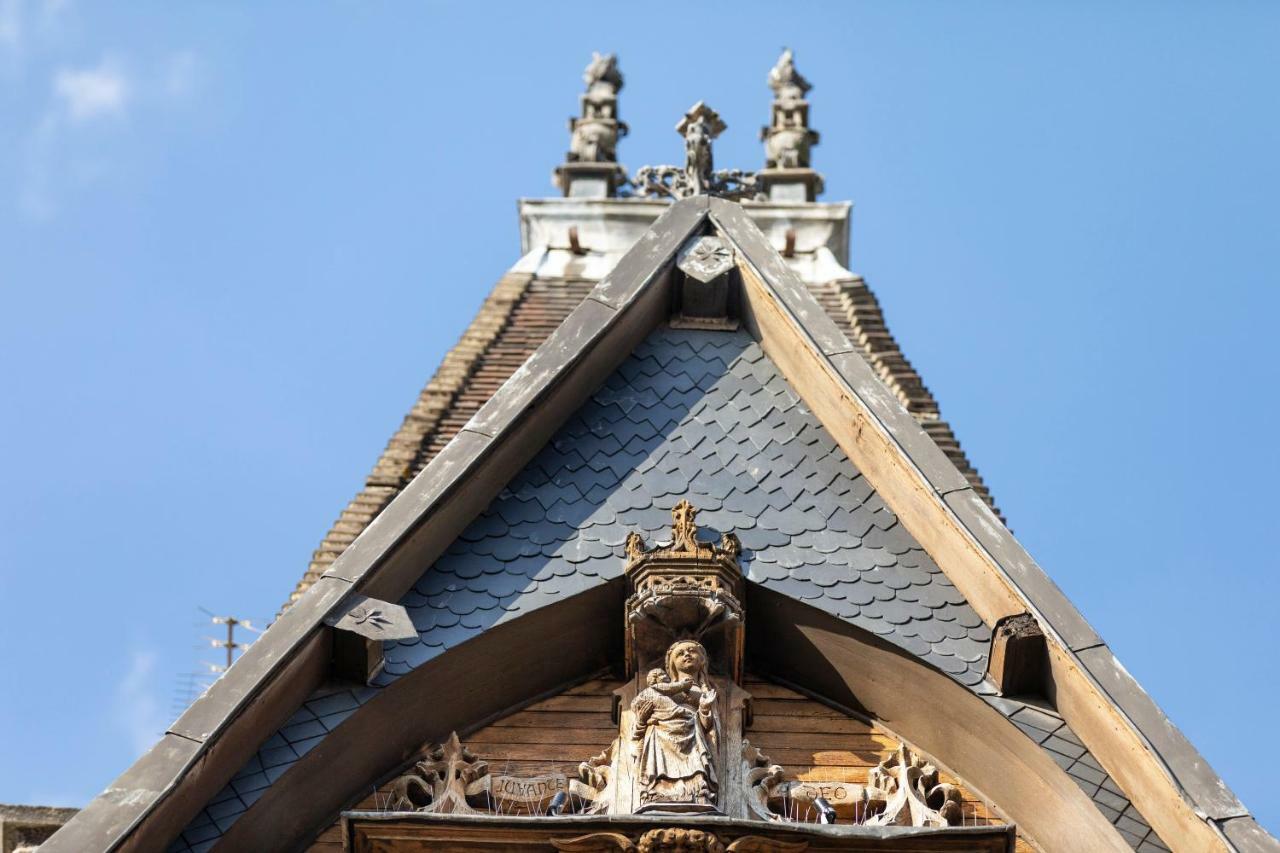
[(812, 741)]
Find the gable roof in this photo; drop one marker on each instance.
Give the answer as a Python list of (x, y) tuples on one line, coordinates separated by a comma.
[(704, 416), (529, 303), (931, 499)]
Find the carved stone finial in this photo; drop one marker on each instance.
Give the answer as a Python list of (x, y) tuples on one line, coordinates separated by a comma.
[(591, 165), (699, 127), (787, 175), (602, 75), (785, 81), (683, 527)]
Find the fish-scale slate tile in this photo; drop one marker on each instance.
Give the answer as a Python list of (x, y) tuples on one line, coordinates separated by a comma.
[(1046, 728), (702, 415), (318, 716), (691, 414)]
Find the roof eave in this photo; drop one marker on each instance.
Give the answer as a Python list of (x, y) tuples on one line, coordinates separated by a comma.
[(1172, 785)]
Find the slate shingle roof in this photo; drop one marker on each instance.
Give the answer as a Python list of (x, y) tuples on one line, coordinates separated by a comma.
[(519, 314), (690, 414), (704, 416), (1047, 728)]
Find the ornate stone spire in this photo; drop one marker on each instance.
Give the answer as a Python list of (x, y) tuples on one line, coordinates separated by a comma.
[(787, 175), (700, 125), (591, 168)]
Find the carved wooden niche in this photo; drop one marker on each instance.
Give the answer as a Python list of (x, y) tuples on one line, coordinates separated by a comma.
[(682, 715)]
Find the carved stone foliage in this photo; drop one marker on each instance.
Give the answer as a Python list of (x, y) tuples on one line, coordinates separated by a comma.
[(448, 771), (602, 75), (763, 781), (706, 258), (915, 797), (699, 127), (674, 840), (786, 82)]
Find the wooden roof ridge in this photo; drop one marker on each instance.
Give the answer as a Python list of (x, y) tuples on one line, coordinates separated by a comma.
[(472, 369), (1165, 777)]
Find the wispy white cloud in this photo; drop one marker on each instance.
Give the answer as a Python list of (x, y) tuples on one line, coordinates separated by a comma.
[(88, 105), (26, 26), (137, 709), (90, 93)]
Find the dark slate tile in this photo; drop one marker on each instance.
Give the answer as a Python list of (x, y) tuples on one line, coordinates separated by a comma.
[(706, 415)]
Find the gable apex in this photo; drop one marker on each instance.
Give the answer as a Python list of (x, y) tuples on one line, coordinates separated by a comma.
[(1166, 779)]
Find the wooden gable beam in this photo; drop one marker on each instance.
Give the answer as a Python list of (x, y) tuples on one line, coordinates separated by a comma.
[(1161, 772)]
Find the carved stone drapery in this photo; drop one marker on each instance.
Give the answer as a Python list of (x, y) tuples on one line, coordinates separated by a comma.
[(677, 731)]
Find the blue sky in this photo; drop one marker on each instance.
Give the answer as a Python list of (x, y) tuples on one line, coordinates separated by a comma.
[(235, 240)]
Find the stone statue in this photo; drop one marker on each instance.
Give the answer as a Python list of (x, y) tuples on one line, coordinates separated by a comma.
[(677, 729)]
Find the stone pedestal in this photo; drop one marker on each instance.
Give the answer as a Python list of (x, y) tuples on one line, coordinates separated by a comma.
[(790, 184), (589, 180)]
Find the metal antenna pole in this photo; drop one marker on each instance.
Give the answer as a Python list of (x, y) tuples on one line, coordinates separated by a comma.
[(229, 644), (231, 641)]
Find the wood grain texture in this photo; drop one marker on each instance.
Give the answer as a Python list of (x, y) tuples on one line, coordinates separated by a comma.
[(812, 741)]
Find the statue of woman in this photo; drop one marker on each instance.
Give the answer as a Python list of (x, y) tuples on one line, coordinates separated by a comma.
[(677, 729)]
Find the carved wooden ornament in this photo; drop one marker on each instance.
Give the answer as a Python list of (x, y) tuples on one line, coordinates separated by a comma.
[(687, 589)]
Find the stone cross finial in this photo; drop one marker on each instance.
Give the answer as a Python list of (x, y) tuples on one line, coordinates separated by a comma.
[(700, 125)]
